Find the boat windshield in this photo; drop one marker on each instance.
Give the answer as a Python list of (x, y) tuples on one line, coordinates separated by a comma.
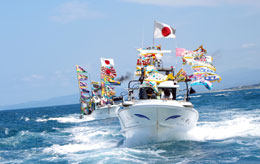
[(163, 93)]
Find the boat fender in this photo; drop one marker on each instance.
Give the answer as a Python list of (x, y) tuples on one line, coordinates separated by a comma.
[(127, 103)]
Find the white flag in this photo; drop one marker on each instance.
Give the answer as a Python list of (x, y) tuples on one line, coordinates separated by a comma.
[(162, 30), (107, 62)]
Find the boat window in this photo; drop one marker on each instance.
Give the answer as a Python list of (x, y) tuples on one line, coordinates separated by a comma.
[(142, 93), (168, 93), (150, 93), (147, 93)]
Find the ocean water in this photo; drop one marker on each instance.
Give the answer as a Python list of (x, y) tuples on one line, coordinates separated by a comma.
[(228, 131)]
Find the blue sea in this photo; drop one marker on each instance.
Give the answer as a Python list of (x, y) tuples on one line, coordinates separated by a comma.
[(228, 131)]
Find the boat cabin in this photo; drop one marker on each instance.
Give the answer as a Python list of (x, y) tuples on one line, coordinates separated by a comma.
[(167, 90)]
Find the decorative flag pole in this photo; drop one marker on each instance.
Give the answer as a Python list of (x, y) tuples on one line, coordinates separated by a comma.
[(162, 30), (108, 74), (154, 31), (79, 91), (81, 86)]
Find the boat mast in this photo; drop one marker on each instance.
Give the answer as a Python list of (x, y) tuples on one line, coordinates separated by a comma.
[(81, 114), (153, 31)]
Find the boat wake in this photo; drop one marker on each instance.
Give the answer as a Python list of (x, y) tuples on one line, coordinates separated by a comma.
[(72, 118), (86, 137), (241, 124)]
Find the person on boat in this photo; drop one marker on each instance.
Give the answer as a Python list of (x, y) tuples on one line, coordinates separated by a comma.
[(89, 108), (109, 102), (83, 107), (150, 94), (142, 93), (103, 101), (93, 104), (97, 101), (159, 94), (166, 94)]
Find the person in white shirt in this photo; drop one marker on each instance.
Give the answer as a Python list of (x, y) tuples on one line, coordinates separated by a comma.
[(166, 94)]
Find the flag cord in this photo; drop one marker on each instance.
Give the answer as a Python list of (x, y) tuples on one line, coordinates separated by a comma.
[(79, 91), (143, 36), (153, 31), (90, 85)]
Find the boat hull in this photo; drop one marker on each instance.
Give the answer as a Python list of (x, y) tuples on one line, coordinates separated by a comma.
[(157, 120), (108, 111)]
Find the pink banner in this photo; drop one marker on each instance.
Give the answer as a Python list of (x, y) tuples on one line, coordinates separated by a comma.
[(180, 51)]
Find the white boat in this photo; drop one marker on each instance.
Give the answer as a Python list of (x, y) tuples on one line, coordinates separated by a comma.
[(108, 111), (155, 118), (102, 102)]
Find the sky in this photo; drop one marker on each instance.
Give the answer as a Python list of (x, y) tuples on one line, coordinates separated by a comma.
[(42, 41)]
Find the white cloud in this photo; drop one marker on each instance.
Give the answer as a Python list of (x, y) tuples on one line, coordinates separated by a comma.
[(33, 77), (190, 3), (175, 3), (248, 45), (64, 78), (72, 11)]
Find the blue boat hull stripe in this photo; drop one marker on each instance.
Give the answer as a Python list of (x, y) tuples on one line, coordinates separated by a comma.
[(172, 117), (142, 116)]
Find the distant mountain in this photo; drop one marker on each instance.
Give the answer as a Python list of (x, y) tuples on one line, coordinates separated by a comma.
[(63, 100), (237, 77), (245, 87), (74, 98)]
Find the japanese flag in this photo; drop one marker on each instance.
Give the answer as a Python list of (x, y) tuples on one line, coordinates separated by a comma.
[(107, 62), (162, 30)]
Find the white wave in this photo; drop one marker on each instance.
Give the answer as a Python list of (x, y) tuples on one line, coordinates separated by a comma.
[(41, 120), (73, 118), (27, 119), (6, 131), (222, 94), (240, 126), (195, 96), (72, 148), (130, 155), (85, 138), (24, 132), (179, 97)]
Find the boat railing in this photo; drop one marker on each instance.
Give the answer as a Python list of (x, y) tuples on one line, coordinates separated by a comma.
[(188, 91)]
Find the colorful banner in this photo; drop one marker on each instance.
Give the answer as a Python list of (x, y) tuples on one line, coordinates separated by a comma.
[(80, 70), (94, 82), (153, 85), (180, 76), (180, 51), (206, 83), (84, 90), (201, 65), (113, 82), (156, 77), (95, 85), (108, 63), (109, 72), (83, 85), (143, 62), (82, 77), (198, 70), (162, 30), (213, 78), (84, 97)]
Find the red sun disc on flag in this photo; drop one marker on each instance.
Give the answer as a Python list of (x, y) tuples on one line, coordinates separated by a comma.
[(107, 62), (108, 71), (166, 31)]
